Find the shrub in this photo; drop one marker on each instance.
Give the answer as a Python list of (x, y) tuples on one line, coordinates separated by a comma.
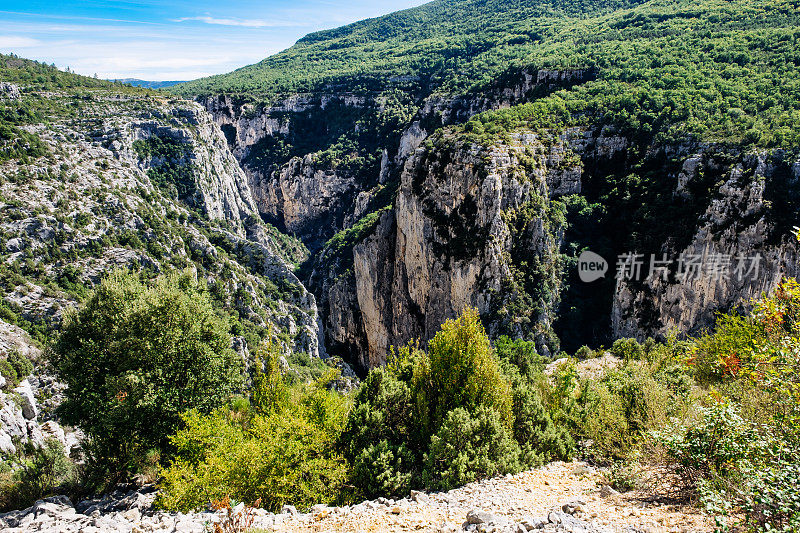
[(9, 373), (627, 349), (460, 371), (522, 354), (384, 469), (21, 364), (602, 423), (41, 473), (279, 458), (268, 392), (616, 411), (14, 368), (470, 446), (539, 438), (381, 431), (415, 404), (771, 496), (584, 352), (136, 356), (624, 476), (714, 446)]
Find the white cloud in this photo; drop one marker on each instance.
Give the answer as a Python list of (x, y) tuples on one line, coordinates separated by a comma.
[(248, 23), (147, 59), (17, 41)]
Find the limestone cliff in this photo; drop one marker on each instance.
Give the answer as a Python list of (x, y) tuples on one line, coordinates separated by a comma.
[(741, 248), (463, 221), (428, 228), (145, 183)]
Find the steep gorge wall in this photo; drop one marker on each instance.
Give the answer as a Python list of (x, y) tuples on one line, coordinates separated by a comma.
[(741, 248), (486, 227), (479, 227), (112, 207)]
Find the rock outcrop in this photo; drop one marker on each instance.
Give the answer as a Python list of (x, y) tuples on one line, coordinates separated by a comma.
[(26, 409), (462, 231), (112, 198), (461, 221)]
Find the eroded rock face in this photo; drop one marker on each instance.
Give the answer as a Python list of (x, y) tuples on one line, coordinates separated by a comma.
[(464, 219), (299, 193), (461, 219), (26, 410), (455, 236), (308, 200), (739, 251), (225, 193)]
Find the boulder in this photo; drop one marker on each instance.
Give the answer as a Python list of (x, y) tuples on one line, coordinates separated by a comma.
[(29, 410)]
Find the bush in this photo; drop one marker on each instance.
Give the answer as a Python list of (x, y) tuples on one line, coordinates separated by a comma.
[(279, 458), (602, 423), (14, 368), (384, 469), (623, 476), (9, 373), (627, 349), (771, 496), (43, 472), (539, 438), (460, 371), (136, 356), (522, 354), (470, 446), (21, 364), (615, 412), (431, 402), (712, 447), (380, 434)]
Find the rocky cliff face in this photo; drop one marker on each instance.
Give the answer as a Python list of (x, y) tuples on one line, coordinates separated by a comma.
[(741, 248), (307, 196), (223, 188), (484, 227), (26, 408), (436, 227), (301, 191), (281, 149), (108, 199), (461, 225), (132, 181)]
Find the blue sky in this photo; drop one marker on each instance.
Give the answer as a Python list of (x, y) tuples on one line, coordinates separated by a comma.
[(169, 40)]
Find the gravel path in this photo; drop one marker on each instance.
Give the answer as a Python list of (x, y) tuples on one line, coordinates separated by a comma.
[(559, 497)]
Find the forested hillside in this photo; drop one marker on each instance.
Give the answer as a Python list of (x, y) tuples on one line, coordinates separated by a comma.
[(450, 43)]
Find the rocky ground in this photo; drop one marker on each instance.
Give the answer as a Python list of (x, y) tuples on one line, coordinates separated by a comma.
[(560, 497)]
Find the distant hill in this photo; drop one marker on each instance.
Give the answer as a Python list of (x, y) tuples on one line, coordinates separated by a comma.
[(450, 44), (149, 84)]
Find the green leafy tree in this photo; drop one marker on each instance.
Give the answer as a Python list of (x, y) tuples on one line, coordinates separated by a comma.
[(381, 438), (134, 357), (269, 391)]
